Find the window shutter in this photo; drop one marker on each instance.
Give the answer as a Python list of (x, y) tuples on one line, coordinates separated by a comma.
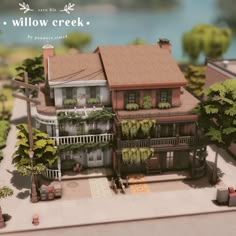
[(74, 93), (158, 97), (169, 96), (125, 98), (137, 98), (64, 93), (97, 92)]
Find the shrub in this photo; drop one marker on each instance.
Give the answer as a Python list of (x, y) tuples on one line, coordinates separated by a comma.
[(164, 105), (70, 101), (4, 129), (132, 106), (147, 102), (92, 101), (95, 131)]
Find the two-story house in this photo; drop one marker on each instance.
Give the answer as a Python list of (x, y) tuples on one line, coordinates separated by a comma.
[(153, 125)]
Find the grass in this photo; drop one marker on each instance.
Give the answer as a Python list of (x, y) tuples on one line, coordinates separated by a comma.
[(10, 99)]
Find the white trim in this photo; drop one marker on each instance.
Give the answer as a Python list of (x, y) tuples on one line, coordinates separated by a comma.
[(229, 75), (42, 119), (82, 83)]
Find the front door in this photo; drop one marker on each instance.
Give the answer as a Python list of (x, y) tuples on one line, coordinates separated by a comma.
[(95, 159)]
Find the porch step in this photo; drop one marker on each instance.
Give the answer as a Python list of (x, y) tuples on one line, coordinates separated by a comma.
[(140, 179)]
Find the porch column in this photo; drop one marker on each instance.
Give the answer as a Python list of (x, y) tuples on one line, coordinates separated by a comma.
[(194, 163)]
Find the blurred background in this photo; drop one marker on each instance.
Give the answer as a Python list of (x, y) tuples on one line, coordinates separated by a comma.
[(112, 22)]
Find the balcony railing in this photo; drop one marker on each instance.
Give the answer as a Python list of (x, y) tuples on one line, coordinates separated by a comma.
[(97, 138), (155, 142)]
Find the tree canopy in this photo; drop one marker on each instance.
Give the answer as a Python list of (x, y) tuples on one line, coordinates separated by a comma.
[(138, 41), (44, 152), (227, 12), (77, 40), (210, 40), (35, 70), (217, 113), (217, 116), (5, 192)]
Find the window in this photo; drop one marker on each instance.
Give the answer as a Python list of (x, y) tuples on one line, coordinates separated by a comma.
[(131, 97), (164, 96), (69, 93), (93, 92)]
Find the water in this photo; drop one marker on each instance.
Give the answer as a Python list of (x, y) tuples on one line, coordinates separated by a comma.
[(121, 27)]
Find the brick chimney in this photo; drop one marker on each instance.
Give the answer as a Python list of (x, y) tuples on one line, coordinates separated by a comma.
[(165, 43), (48, 51)]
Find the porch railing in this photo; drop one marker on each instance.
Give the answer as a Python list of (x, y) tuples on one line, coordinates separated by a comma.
[(52, 174), (155, 142), (96, 138)]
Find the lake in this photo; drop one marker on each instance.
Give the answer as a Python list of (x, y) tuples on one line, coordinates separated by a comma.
[(119, 27)]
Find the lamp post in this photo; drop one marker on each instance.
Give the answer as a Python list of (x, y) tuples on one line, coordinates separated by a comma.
[(28, 99), (34, 196)]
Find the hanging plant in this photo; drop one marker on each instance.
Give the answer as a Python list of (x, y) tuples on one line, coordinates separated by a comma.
[(136, 155), (146, 126), (125, 128), (134, 126), (147, 102)]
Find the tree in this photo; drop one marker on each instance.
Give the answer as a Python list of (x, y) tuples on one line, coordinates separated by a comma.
[(212, 41), (138, 41), (195, 76), (35, 70), (227, 12), (4, 192), (44, 151), (77, 40), (217, 116)]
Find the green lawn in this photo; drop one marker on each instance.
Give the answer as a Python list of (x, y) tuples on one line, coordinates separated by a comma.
[(10, 99)]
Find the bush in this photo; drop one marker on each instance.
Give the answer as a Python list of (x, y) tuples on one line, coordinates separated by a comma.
[(164, 105), (132, 106), (95, 131), (147, 102), (92, 101), (4, 129), (70, 101)]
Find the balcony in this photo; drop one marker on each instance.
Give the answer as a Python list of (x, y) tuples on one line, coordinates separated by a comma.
[(161, 142), (98, 138)]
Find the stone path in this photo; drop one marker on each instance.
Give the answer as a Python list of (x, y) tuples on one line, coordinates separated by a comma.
[(100, 188)]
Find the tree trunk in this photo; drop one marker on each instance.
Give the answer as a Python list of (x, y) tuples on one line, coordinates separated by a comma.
[(214, 172)]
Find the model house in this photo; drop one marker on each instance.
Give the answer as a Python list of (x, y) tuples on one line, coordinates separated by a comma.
[(123, 107), (218, 71)]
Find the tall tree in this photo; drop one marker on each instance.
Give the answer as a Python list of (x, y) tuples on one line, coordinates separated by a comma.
[(77, 40), (217, 116), (212, 41), (44, 151), (35, 70), (195, 76)]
